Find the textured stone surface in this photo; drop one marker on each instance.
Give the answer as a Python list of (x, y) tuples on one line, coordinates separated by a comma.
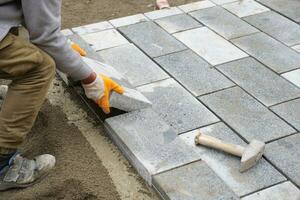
[(293, 76), (152, 39), (297, 48), (176, 106), (128, 20), (104, 39), (178, 23), (163, 13), (220, 2), (290, 111), (197, 75), (245, 115), (285, 154), (92, 28), (196, 6), (269, 51), (133, 64), (195, 181), (227, 167), (245, 8), (210, 46), (290, 9), (283, 191), (149, 143), (223, 22), (265, 85), (277, 26)]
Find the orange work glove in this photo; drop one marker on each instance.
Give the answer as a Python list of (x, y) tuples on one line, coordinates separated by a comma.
[(78, 49), (100, 89)]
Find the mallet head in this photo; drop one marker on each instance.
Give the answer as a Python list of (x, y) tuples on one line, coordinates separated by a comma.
[(252, 154)]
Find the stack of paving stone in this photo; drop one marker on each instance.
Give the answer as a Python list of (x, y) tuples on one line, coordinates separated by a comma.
[(228, 69)]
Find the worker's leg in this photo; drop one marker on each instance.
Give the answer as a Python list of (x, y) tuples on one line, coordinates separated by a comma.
[(31, 71)]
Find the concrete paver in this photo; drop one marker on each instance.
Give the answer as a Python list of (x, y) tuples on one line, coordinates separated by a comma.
[(220, 2), (283, 191), (92, 28), (223, 22), (293, 76), (245, 8), (149, 143), (285, 154), (104, 39), (125, 21), (227, 167), (132, 62), (290, 9), (269, 51), (246, 115), (290, 111), (210, 46), (273, 24), (176, 106), (163, 13), (196, 6), (264, 84), (152, 39), (197, 76), (178, 23), (176, 184)]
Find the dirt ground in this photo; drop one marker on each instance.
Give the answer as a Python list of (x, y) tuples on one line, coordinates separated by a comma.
[(89, 166)]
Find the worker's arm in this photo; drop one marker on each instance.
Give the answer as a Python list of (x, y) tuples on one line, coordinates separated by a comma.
[(42, 19)]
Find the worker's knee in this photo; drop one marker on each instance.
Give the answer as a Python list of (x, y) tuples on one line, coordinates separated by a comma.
[(47, 68)]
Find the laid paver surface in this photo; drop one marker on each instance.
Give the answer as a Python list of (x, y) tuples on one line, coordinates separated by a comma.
[(226, 68)]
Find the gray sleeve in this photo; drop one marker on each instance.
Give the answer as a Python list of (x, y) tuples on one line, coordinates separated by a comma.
[(42, 19)]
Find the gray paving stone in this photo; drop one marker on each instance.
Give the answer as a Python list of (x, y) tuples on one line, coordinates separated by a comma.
[(285, 154), (196, 6), (264, 84), (92, 28), (176, 106), (149, 143), (195, 181), (283, 191), (290, 9), (197, 75), (220, 2), (277, 26), (210, 46), (290, 111), (178, 23), (133, 64), (293, 76), (269, 51), (152, 39), (128, 20), (104, 39), (227, 167), (245, 8), (223, 22), (163, 13), (247, 116)]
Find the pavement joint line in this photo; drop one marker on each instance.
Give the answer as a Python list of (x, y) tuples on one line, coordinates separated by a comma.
[(279, 170), (278, 12), (291, 69), (261, 189), (285, 136), (194, 129), (284, 101)]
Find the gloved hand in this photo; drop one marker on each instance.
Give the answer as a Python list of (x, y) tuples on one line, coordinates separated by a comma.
[(100, 89)]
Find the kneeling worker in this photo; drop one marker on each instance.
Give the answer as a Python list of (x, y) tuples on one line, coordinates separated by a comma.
[(31, 67)]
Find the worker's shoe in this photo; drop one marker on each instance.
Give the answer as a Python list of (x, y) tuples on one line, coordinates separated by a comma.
[(3, 91), (21, 172)]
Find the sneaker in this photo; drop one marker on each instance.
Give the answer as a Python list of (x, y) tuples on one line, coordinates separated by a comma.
[(22, 172), (3, 91)]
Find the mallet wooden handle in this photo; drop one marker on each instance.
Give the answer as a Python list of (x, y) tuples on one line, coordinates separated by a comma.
[(215, 143)]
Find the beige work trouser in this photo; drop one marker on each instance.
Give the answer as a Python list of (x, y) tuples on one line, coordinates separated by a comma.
[(31, 71)]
